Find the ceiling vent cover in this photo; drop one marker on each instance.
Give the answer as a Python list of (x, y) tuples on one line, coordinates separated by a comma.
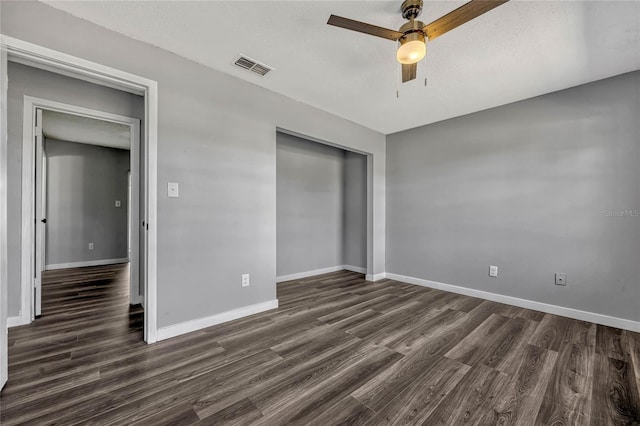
[(252, 65)]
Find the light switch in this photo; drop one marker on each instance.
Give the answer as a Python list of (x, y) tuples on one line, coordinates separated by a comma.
[(172, 190), (118, 204)]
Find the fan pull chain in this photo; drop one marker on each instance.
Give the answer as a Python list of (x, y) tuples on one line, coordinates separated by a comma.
[(425, 70), (398, 81)]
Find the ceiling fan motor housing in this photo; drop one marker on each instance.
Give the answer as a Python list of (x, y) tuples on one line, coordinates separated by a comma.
[(412, 30)]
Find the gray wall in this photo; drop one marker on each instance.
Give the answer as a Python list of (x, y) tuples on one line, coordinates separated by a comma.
[(29, 81), (310, 187), (216, 137), (527, 187), (83, 183), (355, 210)]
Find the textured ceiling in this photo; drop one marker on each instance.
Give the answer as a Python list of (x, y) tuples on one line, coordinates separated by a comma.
[(516, 51), (73, 128)]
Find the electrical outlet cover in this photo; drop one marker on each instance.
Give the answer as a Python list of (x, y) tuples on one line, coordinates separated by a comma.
[(493, 271), (245, 280)]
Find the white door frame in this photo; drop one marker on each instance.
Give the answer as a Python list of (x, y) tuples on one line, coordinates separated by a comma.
[(32, 232), (4, 343), (62, 63), (38, 243)]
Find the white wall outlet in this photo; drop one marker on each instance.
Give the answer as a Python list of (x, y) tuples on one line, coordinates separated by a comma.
[(118, 203), (245, 280), (90, 246), (561, 278), (493, 271), (173, 191)]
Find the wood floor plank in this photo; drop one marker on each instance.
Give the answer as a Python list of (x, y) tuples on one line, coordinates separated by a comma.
[(612, 343), (348, 411), (567, 400), (339, 350), (285, 379), (633, 340), (414, 403), (470, 400), (615, 396), (182, 415), (311, 402), (520, 402), (242, 412), (473, 347), (425, 330), (385, 386)]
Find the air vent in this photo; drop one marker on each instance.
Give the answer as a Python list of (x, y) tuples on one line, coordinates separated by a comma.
[(252, 65)]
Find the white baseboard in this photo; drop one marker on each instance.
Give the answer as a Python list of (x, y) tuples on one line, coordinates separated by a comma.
[(85, 263), (358, 269), (376, 277), (17, 321), (524, 303), (197, 324), (306, 274)]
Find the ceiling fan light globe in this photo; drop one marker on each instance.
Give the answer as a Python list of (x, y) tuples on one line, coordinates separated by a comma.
[(411, 52)]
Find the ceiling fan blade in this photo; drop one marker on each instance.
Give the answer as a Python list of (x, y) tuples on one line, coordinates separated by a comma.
[(409, 72), (361, 27), (464, 13)]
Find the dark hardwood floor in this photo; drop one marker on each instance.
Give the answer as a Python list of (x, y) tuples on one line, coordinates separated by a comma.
[(339, 350)]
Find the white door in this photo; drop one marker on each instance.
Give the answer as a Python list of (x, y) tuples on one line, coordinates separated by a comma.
[(134, 214), (40, 214)]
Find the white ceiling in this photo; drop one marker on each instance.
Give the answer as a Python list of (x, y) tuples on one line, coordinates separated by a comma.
[(516, 51), (74, 128)]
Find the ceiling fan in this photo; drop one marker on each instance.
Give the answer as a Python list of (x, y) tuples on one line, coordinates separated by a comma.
[(413, 35)]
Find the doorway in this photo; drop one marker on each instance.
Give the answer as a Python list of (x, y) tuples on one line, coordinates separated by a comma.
[(321, 208), (34, 197), (86, 193), (19, 51), (22, 308)]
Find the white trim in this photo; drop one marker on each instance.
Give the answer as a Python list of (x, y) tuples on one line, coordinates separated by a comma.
[(47, 59), (151, 210), (358, 269), (27, 232), (524, 303), (300, 275), (4, 344), (198, 324), (86, 263), (321, 271), (376, 277), (16, 321), (62, 63)]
